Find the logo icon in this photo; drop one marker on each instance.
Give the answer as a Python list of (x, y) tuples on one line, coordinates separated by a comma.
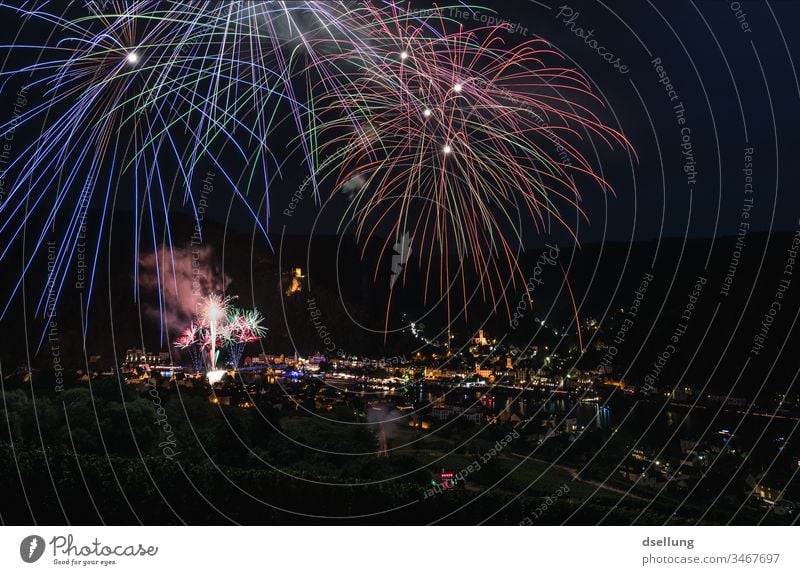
[(402, 253), (31, 549)]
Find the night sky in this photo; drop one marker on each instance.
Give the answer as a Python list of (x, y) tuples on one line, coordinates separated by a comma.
[(739, 90), (731, 65), (678, 298)]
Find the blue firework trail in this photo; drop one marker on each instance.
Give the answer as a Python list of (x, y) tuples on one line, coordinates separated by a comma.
[(141, 95)]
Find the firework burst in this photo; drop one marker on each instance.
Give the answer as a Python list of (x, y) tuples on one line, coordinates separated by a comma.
[(245, 327), (133, 98), (220, 326), (192, 339), (460, 144), (446, 136), (214, 319)]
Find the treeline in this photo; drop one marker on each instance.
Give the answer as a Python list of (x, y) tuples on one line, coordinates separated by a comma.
[(55, 486), (98, 455)]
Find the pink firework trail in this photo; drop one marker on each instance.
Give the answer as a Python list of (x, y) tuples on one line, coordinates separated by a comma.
[(460, 142)]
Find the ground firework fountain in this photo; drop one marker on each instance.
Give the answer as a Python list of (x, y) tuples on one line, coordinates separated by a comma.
[(220, 326)]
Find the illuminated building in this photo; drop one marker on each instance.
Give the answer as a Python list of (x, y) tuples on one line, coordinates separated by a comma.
[(296, 283), (446, 479), (484, 372), (617, 384), (141, 358), (481, 339)]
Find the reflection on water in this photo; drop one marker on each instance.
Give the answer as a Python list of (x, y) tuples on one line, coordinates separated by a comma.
[(629, 417)]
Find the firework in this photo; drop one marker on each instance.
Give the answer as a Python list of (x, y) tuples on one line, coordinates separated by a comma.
[(131, 99), (442, 135), (220, 326), (192, 339), (214, 318), (460, 144), (245, 327)]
